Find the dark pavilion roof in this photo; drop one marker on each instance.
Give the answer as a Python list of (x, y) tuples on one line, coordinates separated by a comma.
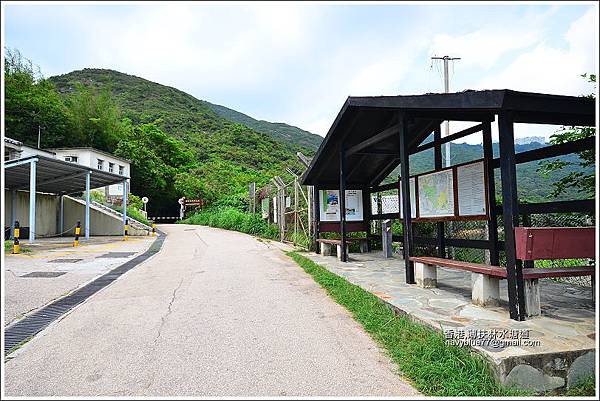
[(374, 119)]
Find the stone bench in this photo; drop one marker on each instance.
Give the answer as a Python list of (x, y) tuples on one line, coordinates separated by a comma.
[(326, 245), (485, 279)]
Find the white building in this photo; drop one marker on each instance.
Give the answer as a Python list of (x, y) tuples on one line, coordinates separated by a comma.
[(14, 149), (99, 160)]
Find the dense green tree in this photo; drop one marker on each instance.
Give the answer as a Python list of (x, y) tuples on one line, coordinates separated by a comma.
[(192, 186), (32, 104), (95, 117), (583, 178)]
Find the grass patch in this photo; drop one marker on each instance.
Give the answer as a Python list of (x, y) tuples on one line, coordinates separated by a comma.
[(421, 353), (230, 218), (583, 388), (131, 212), (8, 247)]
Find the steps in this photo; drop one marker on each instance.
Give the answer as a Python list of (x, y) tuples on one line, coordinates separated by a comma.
[(113, 219)]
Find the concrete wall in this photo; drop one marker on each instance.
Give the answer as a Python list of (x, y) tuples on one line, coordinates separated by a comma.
[(101, 223), (46, 211), (47, 215)]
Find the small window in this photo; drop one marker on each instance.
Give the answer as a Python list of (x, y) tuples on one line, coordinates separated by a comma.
[(121, 170), (100, 164), (72, 159), (111, 167)]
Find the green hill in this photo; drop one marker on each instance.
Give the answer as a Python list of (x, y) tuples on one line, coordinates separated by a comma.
[(288, 133), (229, 155)]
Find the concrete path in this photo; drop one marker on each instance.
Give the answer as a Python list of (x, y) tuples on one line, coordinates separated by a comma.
[(25, 294), (216, 313)]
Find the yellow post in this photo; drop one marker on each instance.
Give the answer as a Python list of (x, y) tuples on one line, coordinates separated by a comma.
[(77, 232), (126, 236), (153, 229), (16, 246)]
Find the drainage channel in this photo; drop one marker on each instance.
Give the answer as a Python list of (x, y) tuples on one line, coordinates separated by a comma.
[(26, 328)]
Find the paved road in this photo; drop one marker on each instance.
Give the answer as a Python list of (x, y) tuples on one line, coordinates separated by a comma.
[(215, 313), (25, 294)]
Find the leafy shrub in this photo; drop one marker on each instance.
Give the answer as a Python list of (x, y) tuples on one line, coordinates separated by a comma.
[(231, 218)]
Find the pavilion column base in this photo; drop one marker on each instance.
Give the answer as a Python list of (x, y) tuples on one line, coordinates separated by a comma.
[(364, 246), (532, 298), (386, 238), (425, 275), (485, 290)]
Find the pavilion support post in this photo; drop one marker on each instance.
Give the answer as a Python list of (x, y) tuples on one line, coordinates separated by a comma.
[(405, 184), (366, 199), (87, 205), (510, 208), (124, 205), (13, 212), (441, 239), (317, 214), (342, 204), (61, 213), (492, 223), (32, 196)]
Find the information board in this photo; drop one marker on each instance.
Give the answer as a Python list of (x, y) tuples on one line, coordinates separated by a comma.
[(389, 204), (471, 189), (413, 199), (436, 194), (330, 209)]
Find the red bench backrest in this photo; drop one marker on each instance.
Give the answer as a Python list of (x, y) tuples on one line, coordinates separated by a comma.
[(534, 243)]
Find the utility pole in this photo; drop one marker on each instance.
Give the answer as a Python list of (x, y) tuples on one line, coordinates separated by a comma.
[(445, 59), (39, 136)]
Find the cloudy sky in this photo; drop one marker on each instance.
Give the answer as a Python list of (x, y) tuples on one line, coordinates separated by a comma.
[(297, 63)]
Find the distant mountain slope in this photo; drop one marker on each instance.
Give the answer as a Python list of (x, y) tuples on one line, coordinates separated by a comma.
[(285, 132), (179, 112)]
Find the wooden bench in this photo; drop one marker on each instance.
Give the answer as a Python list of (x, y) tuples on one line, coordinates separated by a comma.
[(326, 245), (531, 244)]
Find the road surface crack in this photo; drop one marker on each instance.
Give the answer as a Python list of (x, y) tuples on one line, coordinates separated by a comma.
[(163, 318)]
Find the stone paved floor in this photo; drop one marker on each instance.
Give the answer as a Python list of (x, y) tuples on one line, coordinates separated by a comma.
[(567, 323)]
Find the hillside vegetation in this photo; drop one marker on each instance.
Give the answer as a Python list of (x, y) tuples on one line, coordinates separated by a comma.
[(177, 144), (288, 133)]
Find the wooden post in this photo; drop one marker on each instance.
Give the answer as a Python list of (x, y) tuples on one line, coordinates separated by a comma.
[(492, 223), (405, 183), (510, 208), (366, 199), (342, 202), (295, 209), (437, 155)]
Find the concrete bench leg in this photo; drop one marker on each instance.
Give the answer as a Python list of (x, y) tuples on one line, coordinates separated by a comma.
[(339, 251), (532, 297), (364, 246), (485, 290), (425, 275), (325, 249)]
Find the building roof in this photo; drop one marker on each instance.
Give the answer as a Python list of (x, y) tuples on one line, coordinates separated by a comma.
[(363, 119), (92, 150), (55, 175)]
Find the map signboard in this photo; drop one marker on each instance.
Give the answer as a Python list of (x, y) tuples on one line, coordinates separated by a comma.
[(471, 189), (329, 201), (436, 194)]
